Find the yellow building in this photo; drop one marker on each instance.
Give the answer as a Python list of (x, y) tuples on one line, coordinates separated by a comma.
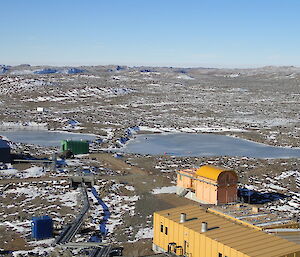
[(208, 185), (196, 232)]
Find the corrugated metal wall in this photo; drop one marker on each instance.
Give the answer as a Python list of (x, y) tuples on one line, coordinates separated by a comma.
[(77, 147), (195, 244)]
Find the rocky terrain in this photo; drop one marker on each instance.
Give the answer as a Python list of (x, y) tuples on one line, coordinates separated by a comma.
[(264, 102), (114, 102)]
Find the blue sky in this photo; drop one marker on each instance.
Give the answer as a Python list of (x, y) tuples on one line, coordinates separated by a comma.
[(211, 33)]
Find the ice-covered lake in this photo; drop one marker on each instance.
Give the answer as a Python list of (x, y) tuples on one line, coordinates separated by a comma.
[(187, 144), (43, 137)]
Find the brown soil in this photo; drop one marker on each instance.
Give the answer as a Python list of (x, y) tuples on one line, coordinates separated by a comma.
[(116, 164), (20, 180), (143, 182), (140, 248), (10, 240)]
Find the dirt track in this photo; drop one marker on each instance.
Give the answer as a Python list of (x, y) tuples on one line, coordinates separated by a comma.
[(117, 164), (144, 182)]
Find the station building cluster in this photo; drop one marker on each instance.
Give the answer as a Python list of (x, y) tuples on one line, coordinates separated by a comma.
[(220, 226)]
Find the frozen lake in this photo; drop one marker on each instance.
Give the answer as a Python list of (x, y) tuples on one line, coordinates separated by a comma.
[(43, 137), (185, 144)]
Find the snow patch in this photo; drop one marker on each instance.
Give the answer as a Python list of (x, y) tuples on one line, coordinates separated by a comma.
[(144, 233), (164, 190)]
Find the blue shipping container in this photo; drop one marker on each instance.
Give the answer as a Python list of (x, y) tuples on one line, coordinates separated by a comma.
[(41, 227)]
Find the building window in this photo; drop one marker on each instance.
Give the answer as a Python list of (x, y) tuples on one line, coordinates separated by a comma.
[(166, 230), (220, 255), (162, 228), (180, 177)]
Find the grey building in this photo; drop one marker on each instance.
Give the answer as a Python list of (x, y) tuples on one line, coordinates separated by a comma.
[(4, 151)]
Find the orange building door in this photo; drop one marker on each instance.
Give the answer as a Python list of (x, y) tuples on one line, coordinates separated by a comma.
[(222, 195), (225, 195)]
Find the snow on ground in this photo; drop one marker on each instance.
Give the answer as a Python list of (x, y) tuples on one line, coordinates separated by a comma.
[(10, 85), (216, 129), (232, 75), (161, 104), (204, 104), (130, 188), (96, 212), (23, 126), (23, 227), (88, 76), (50, 192), (119, 205), (48, 241), (29, 192), (280, 196), (191, 129), (22, 201), (69, 198), (34, 171), (99, 92), (144, 233), (72, 162), (263, 121), (145, 128), (41, 251), (21, 72), (9, 172), (287, 174), (184, 76), (39, 248), (164, 190)]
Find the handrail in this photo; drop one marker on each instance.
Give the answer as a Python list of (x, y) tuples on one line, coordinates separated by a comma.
[(71, 229)]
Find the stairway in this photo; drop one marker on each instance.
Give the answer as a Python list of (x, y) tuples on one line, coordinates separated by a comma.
[(184, 192)]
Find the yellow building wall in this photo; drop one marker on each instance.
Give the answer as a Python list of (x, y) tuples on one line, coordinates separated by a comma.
[(156, 229), (197, 244)]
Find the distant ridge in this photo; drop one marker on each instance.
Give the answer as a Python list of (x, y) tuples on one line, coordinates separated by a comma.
[(26, 69)]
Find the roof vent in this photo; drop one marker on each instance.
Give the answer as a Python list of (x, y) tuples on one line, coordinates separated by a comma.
[(204, 227), (182, 217)]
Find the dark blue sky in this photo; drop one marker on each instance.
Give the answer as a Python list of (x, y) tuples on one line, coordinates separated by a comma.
[(223, 33)]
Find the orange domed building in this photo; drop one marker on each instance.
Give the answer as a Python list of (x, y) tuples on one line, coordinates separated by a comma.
[(208, 184)]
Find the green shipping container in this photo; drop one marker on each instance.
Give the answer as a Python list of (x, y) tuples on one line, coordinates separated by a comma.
[(77, 147)]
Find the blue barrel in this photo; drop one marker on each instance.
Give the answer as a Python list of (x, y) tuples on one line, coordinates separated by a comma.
[(41, 227)]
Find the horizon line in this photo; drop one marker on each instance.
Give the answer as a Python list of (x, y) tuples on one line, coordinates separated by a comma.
[(155, 66)]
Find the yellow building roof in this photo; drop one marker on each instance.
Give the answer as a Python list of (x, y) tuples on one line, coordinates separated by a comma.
[(247, 240), (211, 172)]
